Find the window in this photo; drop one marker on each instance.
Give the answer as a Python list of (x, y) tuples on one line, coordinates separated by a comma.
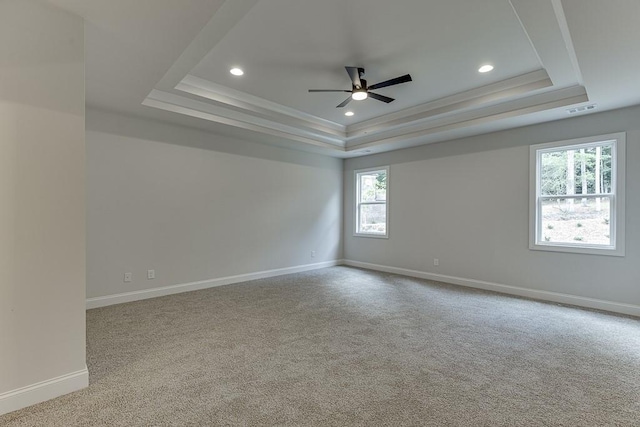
[(577, 195), (372, 210)]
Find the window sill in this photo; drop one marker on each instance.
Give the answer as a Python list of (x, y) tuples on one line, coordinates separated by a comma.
[(578, 250), (374, 236)]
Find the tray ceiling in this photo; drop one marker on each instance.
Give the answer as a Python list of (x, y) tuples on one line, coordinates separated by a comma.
[(548, 55), (289, 46)]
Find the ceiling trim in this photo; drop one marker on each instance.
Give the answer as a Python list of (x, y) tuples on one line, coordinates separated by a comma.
[(481, 114), (225, 18), (468, 99), (568, 96), (248, 111), (566, 35), (191, 107), (545, 25), (227, 96)]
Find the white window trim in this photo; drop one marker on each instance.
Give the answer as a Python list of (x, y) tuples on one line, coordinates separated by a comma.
[(617, 220), (356, 219)]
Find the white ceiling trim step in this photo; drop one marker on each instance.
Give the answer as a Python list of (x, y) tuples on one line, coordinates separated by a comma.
[(544, 23), (566, 35), (536, 103), (215, 92), (182, 105), (225, 18), (468, 99), (512, 108), (247, 109)]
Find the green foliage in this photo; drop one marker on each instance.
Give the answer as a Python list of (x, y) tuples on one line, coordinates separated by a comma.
[(579, 225), (554, 171), (578, 238), (373, 186), (381, 182), (550, 226)]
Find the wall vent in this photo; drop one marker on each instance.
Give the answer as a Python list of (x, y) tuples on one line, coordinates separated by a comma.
[(581, 109)]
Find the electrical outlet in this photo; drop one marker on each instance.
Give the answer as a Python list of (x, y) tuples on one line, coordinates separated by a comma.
[(436, 261), (128, 277), (151, 274), (313, 254)]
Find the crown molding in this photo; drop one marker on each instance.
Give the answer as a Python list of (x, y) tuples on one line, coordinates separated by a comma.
[(190, 107), (483, 95), (480, 108), (546, 27), (258, 106), (541, 102)]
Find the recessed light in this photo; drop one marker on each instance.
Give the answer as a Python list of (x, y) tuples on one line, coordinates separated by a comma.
[(485, 68), (359, 95), (349, 113), (236, 71)]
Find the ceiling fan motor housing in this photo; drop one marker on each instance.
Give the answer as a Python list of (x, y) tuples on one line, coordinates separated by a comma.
[(359, 89)]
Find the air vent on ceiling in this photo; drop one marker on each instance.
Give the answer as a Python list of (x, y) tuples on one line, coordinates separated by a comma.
[(581, 109)]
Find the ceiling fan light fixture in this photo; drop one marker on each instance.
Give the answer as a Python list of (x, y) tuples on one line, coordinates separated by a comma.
[(360, 90), (359, 95)]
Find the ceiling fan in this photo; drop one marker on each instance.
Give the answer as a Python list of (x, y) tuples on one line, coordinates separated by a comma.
[(360, 90)]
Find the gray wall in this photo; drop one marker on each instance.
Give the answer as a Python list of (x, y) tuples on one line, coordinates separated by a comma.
[(466, 202), (42, 196), (196, 206)]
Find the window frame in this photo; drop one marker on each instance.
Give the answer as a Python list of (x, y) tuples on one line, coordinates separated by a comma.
[(357, 204), (617, 197)]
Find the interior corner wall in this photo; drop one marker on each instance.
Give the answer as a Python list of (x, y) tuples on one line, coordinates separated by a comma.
[(42, 203), (201, 209), (466, 203)]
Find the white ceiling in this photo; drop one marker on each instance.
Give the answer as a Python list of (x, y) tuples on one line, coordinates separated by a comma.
[(169, 60), (441, 44)]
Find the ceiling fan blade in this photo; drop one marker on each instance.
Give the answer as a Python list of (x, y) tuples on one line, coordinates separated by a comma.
[(328, 90), (345, 102), (381, 97), (396, 81), (354, 74)]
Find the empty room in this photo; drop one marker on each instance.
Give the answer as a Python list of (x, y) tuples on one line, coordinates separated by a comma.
[(319, 213)]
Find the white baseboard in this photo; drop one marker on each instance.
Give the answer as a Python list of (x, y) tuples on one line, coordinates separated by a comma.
[(203, 284), (616, 307), (44, 390), (612, 306)]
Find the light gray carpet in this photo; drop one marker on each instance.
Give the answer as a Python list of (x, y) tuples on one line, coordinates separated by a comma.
[(343, 346)]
